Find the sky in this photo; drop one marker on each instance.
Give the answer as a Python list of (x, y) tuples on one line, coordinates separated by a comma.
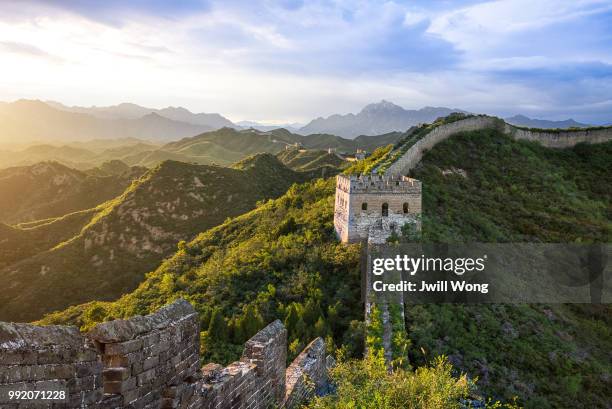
[(291, 60)]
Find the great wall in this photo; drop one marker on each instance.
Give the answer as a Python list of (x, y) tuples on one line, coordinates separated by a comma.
[(370, 208), (154, 362), (550, 139)]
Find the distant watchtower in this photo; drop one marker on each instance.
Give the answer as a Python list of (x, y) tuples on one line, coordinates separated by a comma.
[(373, 206)]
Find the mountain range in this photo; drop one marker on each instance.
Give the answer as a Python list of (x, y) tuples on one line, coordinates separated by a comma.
[(50, 121), (522, 120), (35, 121), (282, 261), (133, 111), (375, 119), (104, 252), (223, 146)]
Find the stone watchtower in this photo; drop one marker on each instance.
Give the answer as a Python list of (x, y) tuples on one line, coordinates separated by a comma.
[(373, 206)]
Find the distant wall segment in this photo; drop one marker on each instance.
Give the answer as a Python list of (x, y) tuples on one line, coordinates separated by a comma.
[(550, 139), (152, 362), (561, 138)]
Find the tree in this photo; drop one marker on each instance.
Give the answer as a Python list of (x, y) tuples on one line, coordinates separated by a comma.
[(320, 328), (312, 312), (251, 322), (217, 330), (368, 383), (291, 319)]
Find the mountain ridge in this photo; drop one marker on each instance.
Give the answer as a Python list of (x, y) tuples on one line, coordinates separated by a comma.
[(128, 110), (375, 119), (522, 120), (51, 189), (36, 121), (129, 235)]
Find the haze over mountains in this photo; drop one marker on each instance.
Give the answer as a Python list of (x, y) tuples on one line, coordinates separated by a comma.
[(223, 146), (132, 111), (33, 121), (375, 119), (50, 189), (36, 121), (522, 120)]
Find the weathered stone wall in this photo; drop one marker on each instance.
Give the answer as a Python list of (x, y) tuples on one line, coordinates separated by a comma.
[(268, 350), (561, 139), (307, 375), (148, 362), (256, 381), (341, 208), (551, 139), (414, 155), (50, 358), (146, 356)]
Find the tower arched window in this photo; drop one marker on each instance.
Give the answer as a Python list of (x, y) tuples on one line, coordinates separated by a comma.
[(364, 206), (405, 208), (385, 209)]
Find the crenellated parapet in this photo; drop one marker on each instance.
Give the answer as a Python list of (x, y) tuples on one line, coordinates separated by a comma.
[(150, 362), (374, 183)]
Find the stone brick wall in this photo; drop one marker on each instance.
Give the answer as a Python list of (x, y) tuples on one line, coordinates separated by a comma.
[(561, 139), (257, 380), (307, 375), (414, 155), (268, 351), (36, 358), (145, 356), (552, 139), (149, 362)]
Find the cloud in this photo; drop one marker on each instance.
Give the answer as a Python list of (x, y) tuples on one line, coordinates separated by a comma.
[(117, 12), (27, 50), (413, 18), (300, 59), (490, 23)]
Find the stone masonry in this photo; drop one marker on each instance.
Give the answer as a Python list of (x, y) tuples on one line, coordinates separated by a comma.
[(152, 362), (550, 139), (306, 375), (51, 358), (373, 206)]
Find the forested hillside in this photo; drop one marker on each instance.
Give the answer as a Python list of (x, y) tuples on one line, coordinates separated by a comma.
[(228, 145), (302, 159), (50, 189), (131, 234), (283, 261)]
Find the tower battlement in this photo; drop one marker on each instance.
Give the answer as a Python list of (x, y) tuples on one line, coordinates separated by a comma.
[(377, 184), (374, 206)]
